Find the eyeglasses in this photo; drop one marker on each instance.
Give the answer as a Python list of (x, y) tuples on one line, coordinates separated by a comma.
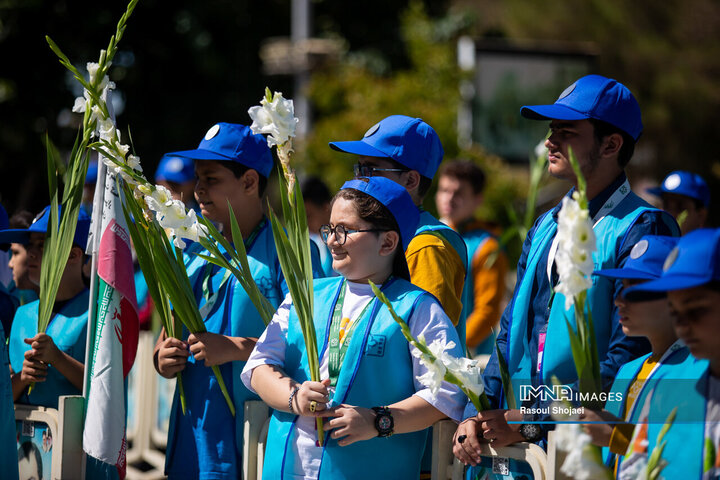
[(369, 171), (341, 232)]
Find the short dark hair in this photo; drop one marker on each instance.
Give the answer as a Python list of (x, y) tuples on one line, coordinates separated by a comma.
[(467, 171), (28, 447), (425, 182), (603, 129), (315, 191), (376, 214), (239, 170), (21, 219)]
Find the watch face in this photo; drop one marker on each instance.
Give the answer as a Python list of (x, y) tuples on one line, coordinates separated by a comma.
[(384, 423), (530, 431)]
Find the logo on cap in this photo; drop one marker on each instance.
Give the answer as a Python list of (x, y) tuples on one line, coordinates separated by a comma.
[(672, 256), (175, 165), (639, 249), (372, 130), (673, 181), (212, 132), (567, 91)]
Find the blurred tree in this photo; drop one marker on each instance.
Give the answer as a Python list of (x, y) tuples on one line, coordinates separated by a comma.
[(351, 96), (667, 53)]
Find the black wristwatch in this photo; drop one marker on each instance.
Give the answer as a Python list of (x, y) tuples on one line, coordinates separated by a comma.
[(531, 432), (384, 422)]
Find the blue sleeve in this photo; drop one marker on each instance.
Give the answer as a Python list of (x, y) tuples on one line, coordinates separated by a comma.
[(621, 348), (491, 374)]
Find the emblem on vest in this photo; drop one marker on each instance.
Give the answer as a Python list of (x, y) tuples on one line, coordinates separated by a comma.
[(375, 346)]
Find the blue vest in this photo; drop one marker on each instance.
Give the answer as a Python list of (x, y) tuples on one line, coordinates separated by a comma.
[(8, 441), (431, 225), (557, 358), (474, 240), (682, 382), (377, 370), (68, 329), (218, 437)]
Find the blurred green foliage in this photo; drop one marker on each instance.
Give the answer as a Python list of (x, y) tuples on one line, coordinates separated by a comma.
[(349, 97)]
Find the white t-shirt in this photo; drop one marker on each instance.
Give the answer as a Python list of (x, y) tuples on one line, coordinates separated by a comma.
[(427, 319)]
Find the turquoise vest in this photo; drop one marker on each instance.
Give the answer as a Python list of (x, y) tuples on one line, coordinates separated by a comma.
[(377, 371), (683, 385), (557, 358), (234, 315), (672, 364), (68, 329), (431, 225), (8, 441), (474, 240)]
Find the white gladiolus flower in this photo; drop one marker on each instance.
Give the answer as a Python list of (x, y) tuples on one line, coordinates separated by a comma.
[(134, 163), (469, 374), (92, 69), (105, 128), (576, 242), (436, 367), (580, 462), (275, 118), (111, 165), (80, 105)]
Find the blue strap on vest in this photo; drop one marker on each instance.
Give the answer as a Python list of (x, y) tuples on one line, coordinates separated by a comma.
[(431, 225), (681, 383), (234, 315), (557, 359), (377, 370)]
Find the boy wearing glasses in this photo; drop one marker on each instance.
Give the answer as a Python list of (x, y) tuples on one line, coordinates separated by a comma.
[(408, 151)]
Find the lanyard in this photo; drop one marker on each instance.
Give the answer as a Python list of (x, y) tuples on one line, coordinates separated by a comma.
[(212, 297), (341, 331), (609, 205)]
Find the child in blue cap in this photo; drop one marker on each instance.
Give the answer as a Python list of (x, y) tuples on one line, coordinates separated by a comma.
[(691, 278), (408, 151), (177, 174), (644, 316), (232, 165), (54, 360), (683, 191), (370, 388)]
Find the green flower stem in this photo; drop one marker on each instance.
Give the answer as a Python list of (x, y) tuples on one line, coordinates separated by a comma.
[(292, 244), (480, 402)]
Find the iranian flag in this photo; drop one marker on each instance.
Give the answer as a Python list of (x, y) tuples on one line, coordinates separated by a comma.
[(112, 327)]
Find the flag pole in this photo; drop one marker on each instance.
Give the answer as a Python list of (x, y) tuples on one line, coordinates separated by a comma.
[(92, 250)]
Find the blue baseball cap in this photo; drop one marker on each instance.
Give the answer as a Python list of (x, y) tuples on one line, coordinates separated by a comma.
[(694, 262), (175, 169), (593, 96), (684, 183), (645, 261), (409, 141), (40, 225), (395, 198), (231, 142)]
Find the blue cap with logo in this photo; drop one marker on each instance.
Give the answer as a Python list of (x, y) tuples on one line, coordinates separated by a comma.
[(231, 142), (409, 141), (684, 183), (645, 261), (40, 225), (395, 198), (694, 262), (593, 96), (175, 169)]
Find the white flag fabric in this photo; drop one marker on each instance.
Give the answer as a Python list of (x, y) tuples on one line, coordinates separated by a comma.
[(115, 326)]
